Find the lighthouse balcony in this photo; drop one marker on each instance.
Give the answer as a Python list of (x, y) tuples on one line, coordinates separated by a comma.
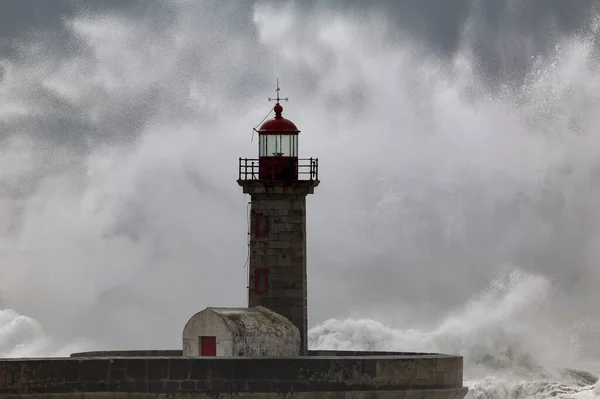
[(278, 169)]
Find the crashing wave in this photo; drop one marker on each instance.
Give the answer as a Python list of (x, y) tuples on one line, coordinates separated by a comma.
[(498, 388), (22, 336)]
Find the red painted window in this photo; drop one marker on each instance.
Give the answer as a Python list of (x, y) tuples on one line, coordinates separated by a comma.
[(261, 281), (261, 225), (208, 346)]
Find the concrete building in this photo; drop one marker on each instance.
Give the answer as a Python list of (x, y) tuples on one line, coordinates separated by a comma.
[(240, 332), (278, 183)]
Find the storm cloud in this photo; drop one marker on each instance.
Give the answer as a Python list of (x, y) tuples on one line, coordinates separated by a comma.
[(454, 137)]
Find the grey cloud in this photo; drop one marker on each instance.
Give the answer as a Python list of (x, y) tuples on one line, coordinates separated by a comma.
[(125, 113), (29, 21), (19, 16), (505, 35), (441, 22), (160, 229)]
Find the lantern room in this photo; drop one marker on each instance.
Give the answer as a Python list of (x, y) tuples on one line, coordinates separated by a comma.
[(278, 153), (278, 148)]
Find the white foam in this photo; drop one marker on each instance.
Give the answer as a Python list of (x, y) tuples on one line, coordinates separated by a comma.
[(505, 335), (22, 336)]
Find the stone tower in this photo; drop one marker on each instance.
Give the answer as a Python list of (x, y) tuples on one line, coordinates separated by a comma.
[(278, 183)]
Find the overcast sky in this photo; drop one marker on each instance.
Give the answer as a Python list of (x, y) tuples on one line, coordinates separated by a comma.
[(455, 137)]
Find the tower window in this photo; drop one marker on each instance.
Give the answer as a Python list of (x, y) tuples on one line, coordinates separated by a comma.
[(261, 281), (261, 225)]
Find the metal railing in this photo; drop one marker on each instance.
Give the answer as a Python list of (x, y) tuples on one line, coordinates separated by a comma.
[(279, 168)]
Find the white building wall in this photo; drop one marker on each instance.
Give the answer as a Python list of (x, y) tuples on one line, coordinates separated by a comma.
[(242, 332), (206, 323)]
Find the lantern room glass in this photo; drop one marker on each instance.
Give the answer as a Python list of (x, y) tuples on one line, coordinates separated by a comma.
[(278, 145)]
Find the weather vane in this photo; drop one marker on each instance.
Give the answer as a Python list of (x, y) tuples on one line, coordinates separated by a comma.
[(278, 98)]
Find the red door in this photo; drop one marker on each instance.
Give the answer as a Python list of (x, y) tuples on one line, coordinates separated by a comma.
[(208, 346)]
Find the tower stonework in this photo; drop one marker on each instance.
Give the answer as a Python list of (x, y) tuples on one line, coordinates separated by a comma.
[(277, 264), (278, 183)]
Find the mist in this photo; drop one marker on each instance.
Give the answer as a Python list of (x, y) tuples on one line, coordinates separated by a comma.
[(452, 146)]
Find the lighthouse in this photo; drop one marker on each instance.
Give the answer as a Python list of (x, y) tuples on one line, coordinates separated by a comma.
[(278, 182), (249, 352)]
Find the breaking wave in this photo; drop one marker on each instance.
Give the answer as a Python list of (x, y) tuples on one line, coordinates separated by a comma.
[(22, 336), (510, 343)]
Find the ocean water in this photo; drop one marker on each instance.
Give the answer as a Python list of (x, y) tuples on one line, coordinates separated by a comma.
[(469, 222)]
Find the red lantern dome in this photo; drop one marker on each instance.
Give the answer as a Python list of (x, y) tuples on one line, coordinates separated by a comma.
[(279, 124)]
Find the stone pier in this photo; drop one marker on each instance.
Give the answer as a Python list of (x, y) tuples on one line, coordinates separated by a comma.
[(321, 374)]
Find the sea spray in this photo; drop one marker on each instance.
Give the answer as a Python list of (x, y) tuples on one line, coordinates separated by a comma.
[(505, 334), (21, 336)]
